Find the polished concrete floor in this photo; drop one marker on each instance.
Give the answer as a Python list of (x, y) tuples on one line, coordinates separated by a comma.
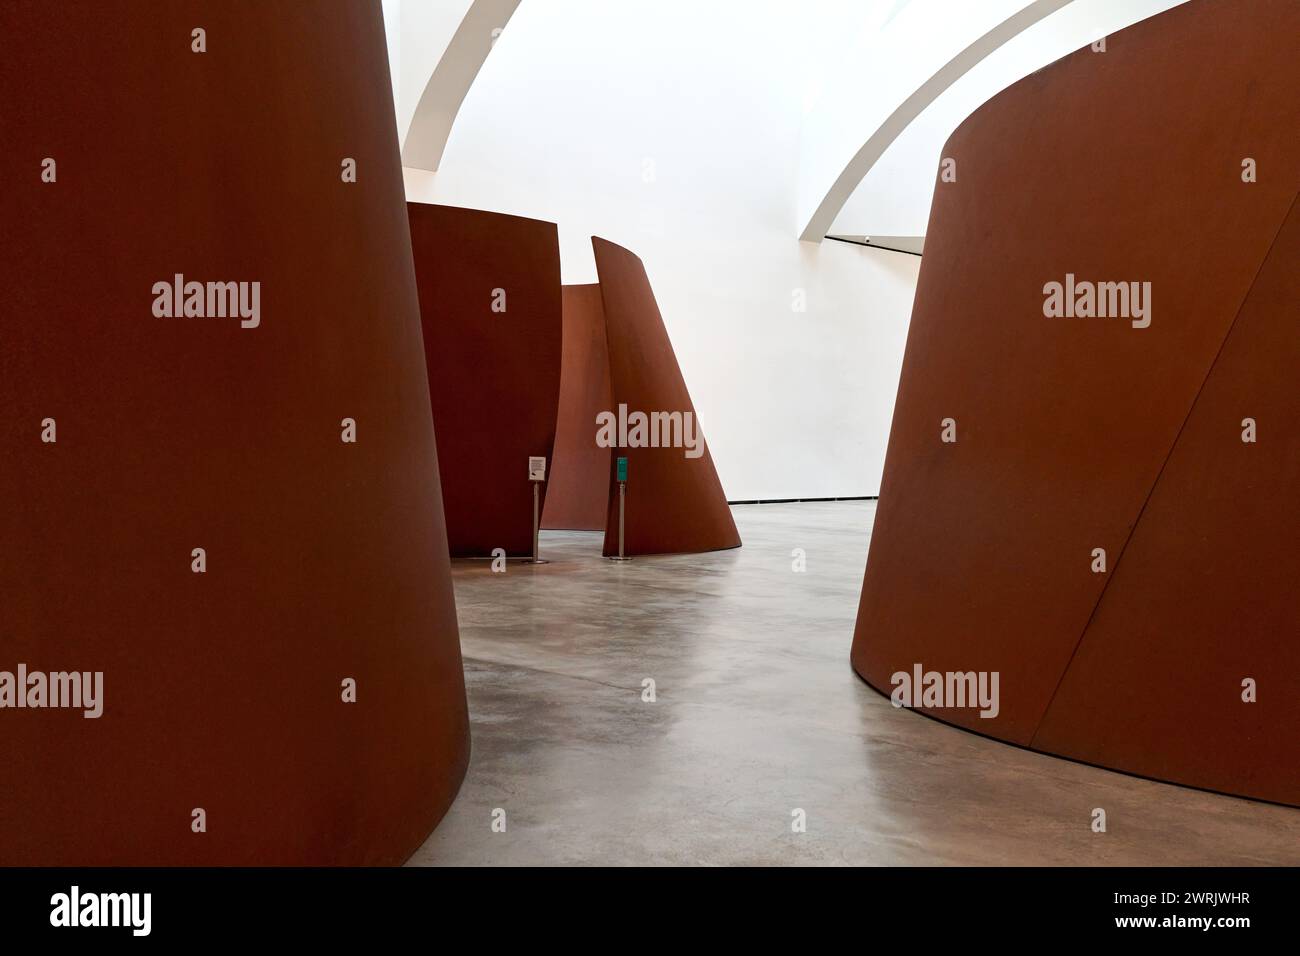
[(758, 713)]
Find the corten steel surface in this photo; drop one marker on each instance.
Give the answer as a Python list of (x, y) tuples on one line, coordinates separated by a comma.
[(578, 488), (1222, 523), (1117, 166), (325, 560), (494, 376), (674, 503)]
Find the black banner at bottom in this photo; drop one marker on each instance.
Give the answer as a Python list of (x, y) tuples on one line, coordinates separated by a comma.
[(440, 906)]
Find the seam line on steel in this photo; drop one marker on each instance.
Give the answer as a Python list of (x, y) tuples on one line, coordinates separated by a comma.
[(1119, 557)]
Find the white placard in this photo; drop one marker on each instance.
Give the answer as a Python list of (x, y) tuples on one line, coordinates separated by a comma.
[(536, 468)]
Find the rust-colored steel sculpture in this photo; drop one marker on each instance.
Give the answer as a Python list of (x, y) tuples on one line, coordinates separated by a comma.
[(491, 308), (1169, 663), (674, 501), (1068, 500), (225, 502), (579, 479)]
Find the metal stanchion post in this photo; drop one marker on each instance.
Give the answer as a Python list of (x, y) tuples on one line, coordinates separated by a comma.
[(622, 498), (537, 519), (536, 475)]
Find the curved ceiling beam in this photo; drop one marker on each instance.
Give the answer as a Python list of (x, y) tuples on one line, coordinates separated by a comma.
[(451, 80), (817, 216)]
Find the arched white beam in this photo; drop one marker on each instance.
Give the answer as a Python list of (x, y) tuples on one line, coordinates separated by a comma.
[(940, 43), (450, 81)]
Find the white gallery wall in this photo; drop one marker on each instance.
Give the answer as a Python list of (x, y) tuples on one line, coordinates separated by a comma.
[(679, 129)]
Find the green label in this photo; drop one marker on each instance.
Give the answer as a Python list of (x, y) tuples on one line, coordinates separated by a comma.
[(622, 469)]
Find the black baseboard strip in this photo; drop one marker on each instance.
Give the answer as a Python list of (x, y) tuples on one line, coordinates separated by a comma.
[(787, 501)]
